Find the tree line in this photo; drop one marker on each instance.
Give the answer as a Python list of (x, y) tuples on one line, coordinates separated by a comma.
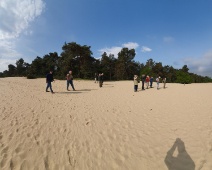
[(79, 59)]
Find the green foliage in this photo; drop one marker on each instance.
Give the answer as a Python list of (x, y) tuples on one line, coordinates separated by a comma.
[(107, 65), (185, 69), (1, 74), (182, 77), (123, 67), (170, 73), (11, 70), (31, 76), (146, 71), (79, 59)]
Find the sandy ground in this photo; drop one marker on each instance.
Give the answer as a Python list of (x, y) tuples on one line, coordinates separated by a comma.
[(105, 128)]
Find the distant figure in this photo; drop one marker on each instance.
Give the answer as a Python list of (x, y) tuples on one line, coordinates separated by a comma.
[(143, 78), (100, 79), (135, 83), (49, 80), (151, 82), (164, 82), (158, 81), (96, 78), (147, 82), (69, 78)]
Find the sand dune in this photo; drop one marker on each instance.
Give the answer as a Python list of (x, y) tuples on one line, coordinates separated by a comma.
[(105, 128)]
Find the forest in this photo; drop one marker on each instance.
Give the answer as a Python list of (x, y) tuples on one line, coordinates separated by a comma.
[(79, 59)]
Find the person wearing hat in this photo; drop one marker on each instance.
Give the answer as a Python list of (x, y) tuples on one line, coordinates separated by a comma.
[(136, 83)]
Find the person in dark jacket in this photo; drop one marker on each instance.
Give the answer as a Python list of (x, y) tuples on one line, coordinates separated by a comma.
[(143, 79), (100, 79), (151, 82), (49, 80)]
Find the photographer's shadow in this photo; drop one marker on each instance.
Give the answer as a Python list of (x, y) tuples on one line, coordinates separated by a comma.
[(182, 160)]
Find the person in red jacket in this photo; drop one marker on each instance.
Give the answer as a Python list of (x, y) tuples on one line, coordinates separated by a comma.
[(147, 82)]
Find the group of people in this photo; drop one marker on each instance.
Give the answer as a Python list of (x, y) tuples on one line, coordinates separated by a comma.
[(99, 78), (145, 79), (50, 79)]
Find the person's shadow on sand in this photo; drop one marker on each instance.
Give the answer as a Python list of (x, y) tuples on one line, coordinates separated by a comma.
[(180, 162)]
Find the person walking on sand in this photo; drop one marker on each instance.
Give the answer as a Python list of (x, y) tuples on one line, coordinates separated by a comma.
[(151, 82), (100, 79), (147, 82), (164, 82), (69, 78), (143, 78), (158, 81), (136, 83), (49, 80), (96, 78)]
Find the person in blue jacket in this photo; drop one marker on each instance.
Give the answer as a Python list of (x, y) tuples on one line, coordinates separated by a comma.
[(151, 82)]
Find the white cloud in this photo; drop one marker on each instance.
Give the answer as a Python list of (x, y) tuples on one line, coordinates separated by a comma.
[(168, 39), (116, 50), (4, 63), (7, 49), (131, 45), (200, 66), (112, 50), (15, 17), (145, 49)]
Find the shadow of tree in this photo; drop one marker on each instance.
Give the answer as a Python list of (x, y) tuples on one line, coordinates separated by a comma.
[(182, 160)]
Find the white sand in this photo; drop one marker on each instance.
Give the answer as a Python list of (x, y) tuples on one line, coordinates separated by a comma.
[(105, 128)]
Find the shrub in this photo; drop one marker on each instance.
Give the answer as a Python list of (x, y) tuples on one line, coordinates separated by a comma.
[(31, 76)]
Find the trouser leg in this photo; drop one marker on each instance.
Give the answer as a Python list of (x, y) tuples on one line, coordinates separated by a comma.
[(67, 84), (72, 85), (135, 88), (49, 85), (142, 85)]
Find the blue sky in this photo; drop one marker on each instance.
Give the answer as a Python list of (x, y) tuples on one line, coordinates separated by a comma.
[(174, 32)]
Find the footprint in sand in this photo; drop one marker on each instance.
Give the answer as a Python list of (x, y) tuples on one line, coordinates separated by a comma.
[(28, 135), (10, 137), (25, 165), (1, 136), (3, 161), (36, 137), (71, 159), (18, 149), (3, 109), (15, 163), (11, 123), (46, 163), (88, 121)]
